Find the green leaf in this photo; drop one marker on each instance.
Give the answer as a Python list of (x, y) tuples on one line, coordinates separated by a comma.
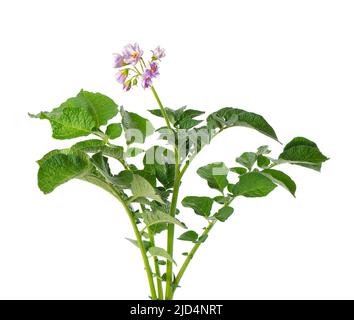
[(133, 152), (79, 116), (215, 174), (136, 127), (170, 114), (230, 117), (201, 205), (262, 161), (253, 184), (303, 152), (247, 159), (95, 145), (68, 123), (281, 179), (147, 244), (60, 168), (52, 153), (224, 213), (156, 251), (160, 162), (157, 216), (100, 106), (202, 238), (186, 119), (114, 130), (188, 123), (142, 188), (189, 236), (238, 170)]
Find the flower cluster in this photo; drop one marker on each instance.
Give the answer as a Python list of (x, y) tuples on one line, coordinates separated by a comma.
[(132, 67)]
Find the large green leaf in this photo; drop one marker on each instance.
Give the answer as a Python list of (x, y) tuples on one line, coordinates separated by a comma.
[(136, 127), (157, 216), (253, 184), (281, 178), (95, 145), (215, 174), (230, 117), (201, 205), (80, 115), (303, 152), (68, 123), (100, 106), (160, 162), (141, 188), (60, 168)]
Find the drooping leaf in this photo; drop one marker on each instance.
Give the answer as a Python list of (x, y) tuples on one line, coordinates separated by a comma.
[(190, 235), (201, 205), (52, 153), (136, 127), (60, 168), (157, 216), (95, 145), (303, 152), (160, 252), (123, 179), (247, 159), (215, 174), (114, 130), (230, 117), (253, 184), (142, 188), (281, 178), (224, 213)]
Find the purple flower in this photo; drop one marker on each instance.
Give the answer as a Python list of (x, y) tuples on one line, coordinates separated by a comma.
[(158, 53), (146, 81), (118, 61), (132, 53), (149, 74), (122, 75)]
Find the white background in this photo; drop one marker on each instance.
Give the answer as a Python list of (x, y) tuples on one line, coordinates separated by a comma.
[(291, 61)]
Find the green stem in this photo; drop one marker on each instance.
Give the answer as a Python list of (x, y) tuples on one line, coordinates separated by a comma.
[(171, 227), (157, 269), (163, 111), (190, 257)]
